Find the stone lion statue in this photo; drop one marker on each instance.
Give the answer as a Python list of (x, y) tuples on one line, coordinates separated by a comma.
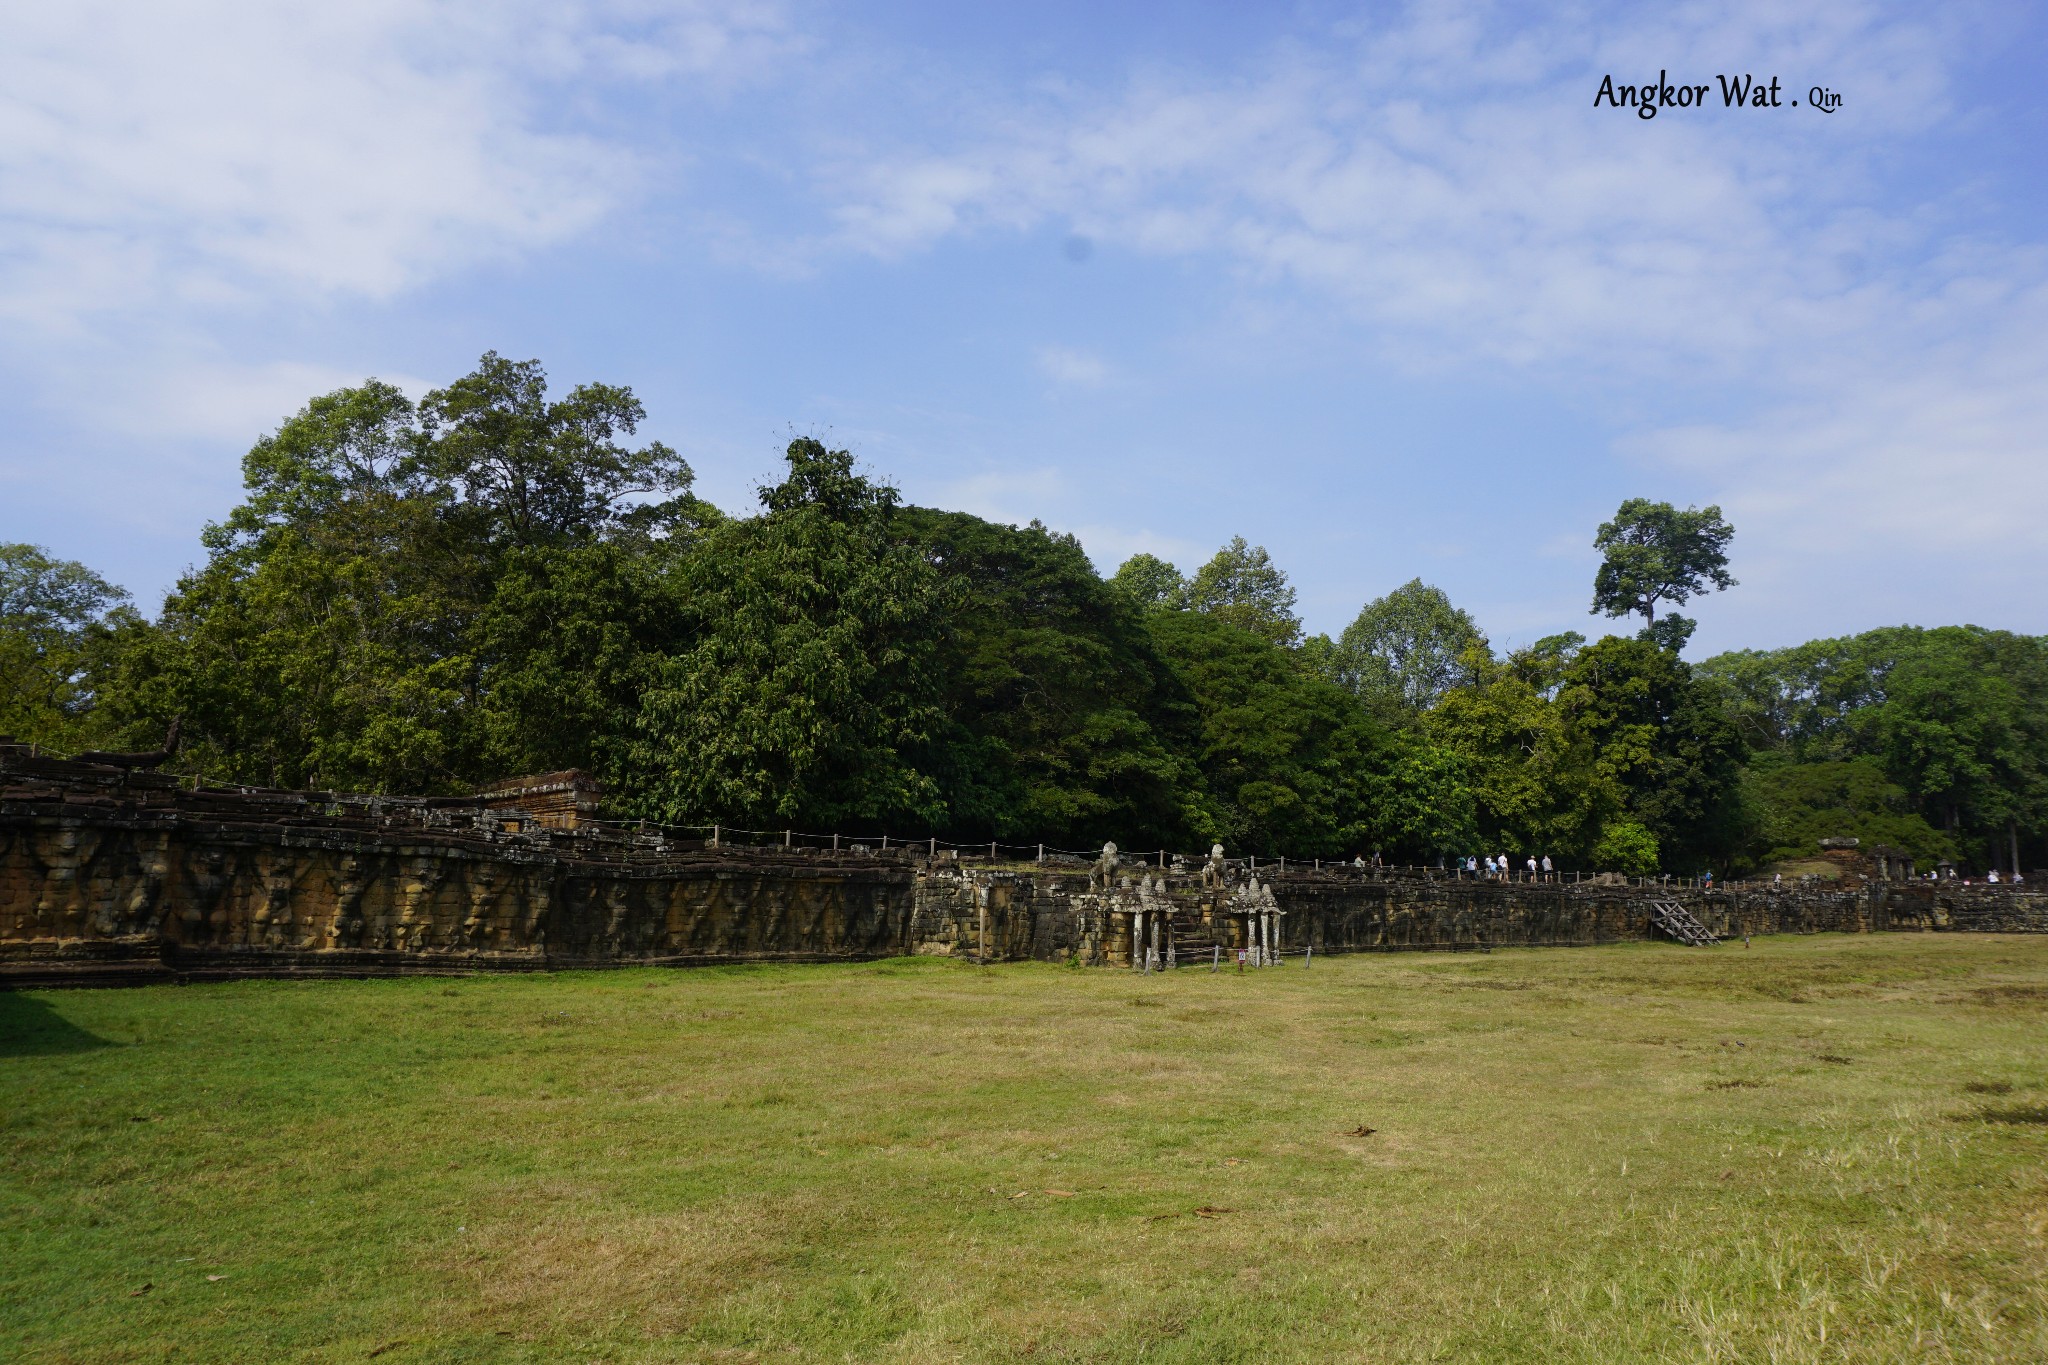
[(1103, 874)]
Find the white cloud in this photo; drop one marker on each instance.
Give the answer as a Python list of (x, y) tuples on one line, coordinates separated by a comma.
[(1745, 297), (1752, 298), (232, 404), (204, 153), (1012, 497), (1065, 365), (177, 175), (1502, 219)]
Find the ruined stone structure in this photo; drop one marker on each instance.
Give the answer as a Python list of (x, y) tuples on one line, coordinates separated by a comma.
[(555, 800), (112, 873)]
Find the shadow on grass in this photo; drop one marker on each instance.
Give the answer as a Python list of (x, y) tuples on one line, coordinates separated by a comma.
[(2019, 1113), (30, 1027)]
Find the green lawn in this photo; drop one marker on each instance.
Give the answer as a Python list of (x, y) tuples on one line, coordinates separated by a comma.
[(1822, 1148)]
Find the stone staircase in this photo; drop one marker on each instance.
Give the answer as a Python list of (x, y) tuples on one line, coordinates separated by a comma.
[(1197, 949), (1681, 924)]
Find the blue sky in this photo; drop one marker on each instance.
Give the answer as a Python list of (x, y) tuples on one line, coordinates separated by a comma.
[(1375, 287)]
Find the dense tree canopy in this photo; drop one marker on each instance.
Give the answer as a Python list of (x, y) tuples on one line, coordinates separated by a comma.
[(1953, 720), (421, 598), (1052, 695), (425, 597), (1286, 759)]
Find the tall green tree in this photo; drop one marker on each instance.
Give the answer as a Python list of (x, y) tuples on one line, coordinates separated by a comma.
[(1663, 737), (1288, 763), (1403, 650), (321, 645), (1537, 783), (421, 598), (1242, 585), (1424, 807), (57, 619), (1652, 552), (540, 472), (1050, 689), (804, 690), (1149, 582)]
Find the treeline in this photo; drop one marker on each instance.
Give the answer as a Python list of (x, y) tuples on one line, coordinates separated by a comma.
[(426, 597)]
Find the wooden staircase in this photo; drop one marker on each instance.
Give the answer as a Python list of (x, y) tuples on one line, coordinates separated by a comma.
[(1681, 924)]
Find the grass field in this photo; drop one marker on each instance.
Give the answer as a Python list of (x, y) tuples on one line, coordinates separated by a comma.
[(1824, 1148)]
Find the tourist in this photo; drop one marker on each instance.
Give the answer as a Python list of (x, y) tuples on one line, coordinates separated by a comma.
[(1991, 877), (1547, 869), (1532, 869)]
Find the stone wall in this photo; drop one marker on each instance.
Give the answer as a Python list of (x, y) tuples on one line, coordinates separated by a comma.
[(105, 875), (1011, 914), (109, 875)]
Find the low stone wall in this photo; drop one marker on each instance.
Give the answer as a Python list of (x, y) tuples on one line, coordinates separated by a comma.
[(107, 875)]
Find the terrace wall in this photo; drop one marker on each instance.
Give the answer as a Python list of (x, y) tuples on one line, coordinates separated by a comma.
[(110, 875)]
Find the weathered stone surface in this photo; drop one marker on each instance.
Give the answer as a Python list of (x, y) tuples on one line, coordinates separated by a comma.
[(110, 874)]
